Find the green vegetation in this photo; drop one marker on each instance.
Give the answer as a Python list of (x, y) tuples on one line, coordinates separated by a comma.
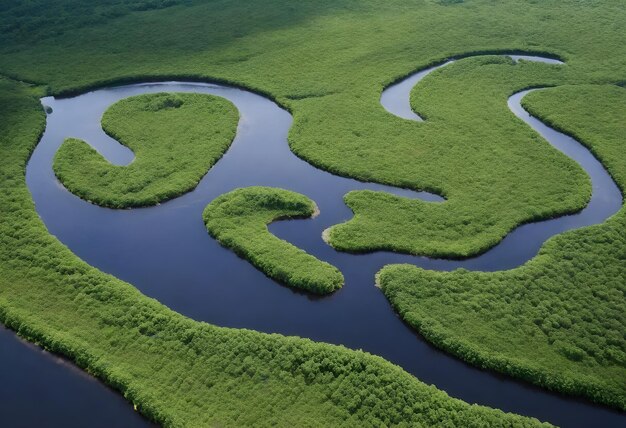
[(177, 371), (559, 320), (495, 172), (327, 61), (176, 139), (31, 20), (239, 219)]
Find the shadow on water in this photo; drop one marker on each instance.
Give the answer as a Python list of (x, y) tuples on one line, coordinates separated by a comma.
[(166, 252)]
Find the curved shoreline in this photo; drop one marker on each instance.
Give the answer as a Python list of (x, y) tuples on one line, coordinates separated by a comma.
[(48, 372), (204, 193), (239, 219)]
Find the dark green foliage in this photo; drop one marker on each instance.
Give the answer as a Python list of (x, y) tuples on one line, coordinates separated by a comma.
[(177, 371), (38, 19), (559, 320), (239, 219), (449, 2), (176, 139)]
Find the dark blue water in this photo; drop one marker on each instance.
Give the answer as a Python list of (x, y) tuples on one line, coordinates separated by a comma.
[(38, 390), (166, 252)]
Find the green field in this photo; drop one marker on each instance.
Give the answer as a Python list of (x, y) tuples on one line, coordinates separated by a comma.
[(557, 321), (176, 138), (239, 219)]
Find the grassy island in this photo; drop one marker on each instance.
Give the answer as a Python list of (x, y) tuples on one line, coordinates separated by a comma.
[(559, 320), (176, 139), (239, 219)]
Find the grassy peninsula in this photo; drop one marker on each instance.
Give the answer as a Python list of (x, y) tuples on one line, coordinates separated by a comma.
[(239, 219), (494, 170)]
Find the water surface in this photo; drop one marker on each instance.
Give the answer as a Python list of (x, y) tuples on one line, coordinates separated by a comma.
[(38, 389)]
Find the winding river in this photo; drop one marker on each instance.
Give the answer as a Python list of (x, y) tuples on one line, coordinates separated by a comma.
[(166, 252)]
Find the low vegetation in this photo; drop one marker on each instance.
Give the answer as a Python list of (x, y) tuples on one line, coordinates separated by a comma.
[(239, 219), (559, 320), (495, 172), (176, 139), (180, 372)]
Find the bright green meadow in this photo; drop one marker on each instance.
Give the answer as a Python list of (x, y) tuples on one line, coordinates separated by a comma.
[(494, 177)]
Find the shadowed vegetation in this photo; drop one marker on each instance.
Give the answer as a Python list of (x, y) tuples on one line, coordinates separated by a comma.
[(339, 124)]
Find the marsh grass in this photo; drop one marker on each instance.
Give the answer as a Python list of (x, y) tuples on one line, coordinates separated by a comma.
[(239, 219)]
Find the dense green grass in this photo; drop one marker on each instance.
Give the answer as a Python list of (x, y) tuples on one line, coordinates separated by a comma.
[(327, 61), (559, 320), (176, 139), (177, 371), (498, 173), (32, 19), (239, 219)]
